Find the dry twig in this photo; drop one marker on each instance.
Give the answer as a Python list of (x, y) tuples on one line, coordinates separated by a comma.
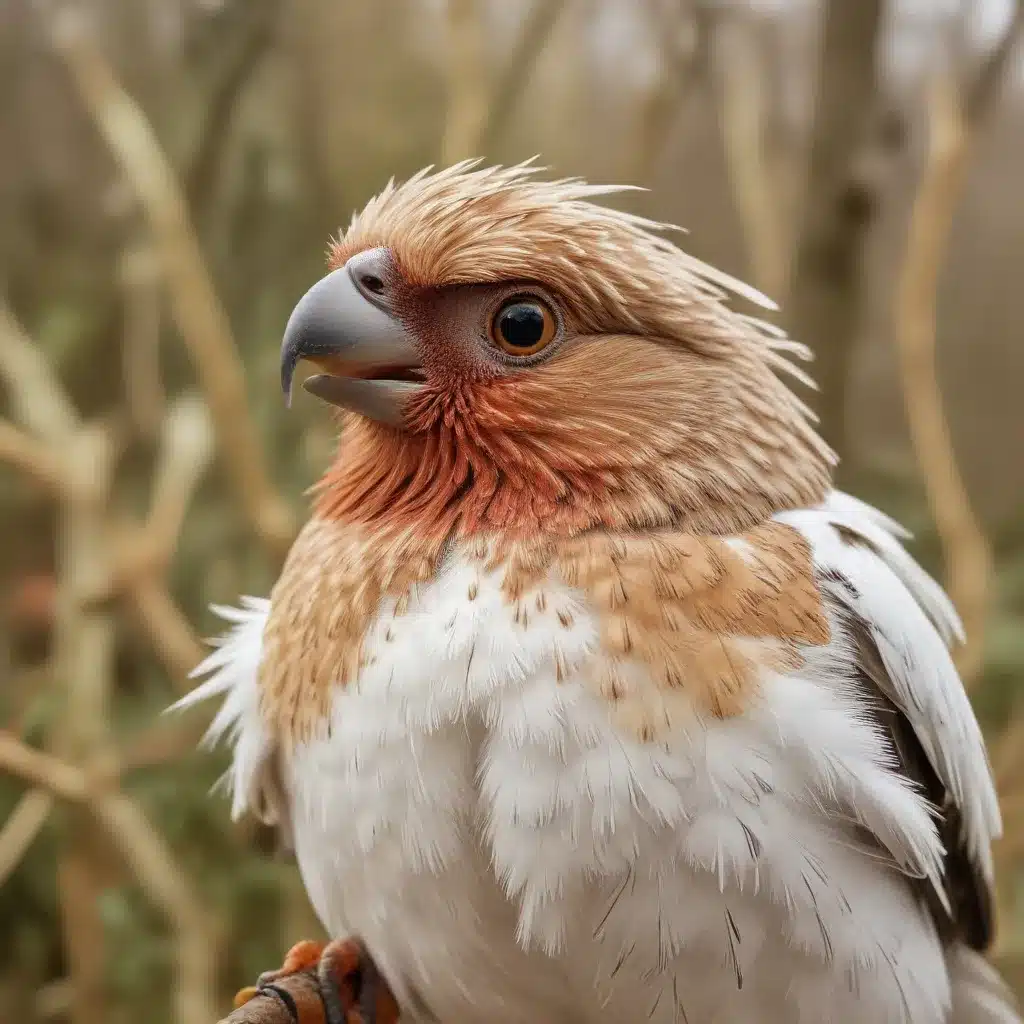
[(22, 826), (682, 55), (32, 457), (953, 125), (200, 317), (478, 112), (37, 399), (744, 100), (84, 653), (146, 854), (839, 206), (540, 23)]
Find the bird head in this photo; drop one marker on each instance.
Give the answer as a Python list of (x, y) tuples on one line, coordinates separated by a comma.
[(512, 356)]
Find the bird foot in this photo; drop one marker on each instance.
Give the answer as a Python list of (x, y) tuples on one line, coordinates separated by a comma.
[(349, 987)]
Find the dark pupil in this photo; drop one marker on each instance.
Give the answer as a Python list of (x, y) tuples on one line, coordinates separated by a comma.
[(522, 325)]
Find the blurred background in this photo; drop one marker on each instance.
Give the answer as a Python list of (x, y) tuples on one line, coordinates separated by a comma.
[(170, 174)]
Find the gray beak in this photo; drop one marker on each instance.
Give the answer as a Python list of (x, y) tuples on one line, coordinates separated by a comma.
[(344, 325)]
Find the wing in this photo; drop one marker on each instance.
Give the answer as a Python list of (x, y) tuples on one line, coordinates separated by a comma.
[(230, 672), (897, 623)]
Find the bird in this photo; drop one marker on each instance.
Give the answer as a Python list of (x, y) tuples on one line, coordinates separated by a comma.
[(583, 695)]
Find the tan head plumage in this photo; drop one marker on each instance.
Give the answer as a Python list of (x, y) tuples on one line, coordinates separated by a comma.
[(670, 409), (619, 461)]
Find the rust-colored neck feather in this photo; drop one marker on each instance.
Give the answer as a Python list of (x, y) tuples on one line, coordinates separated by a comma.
[(620, 432)]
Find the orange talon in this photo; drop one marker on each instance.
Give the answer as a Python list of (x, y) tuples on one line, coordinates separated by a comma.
[(243, 995), (303, 956), (333, 983)]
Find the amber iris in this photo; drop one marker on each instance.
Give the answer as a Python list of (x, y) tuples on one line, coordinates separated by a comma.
[(523, 326)]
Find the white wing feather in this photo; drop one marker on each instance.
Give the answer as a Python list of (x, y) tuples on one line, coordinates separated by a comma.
[(911, 621)]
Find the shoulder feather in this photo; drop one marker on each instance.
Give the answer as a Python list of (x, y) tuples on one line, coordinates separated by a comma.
[(899, 624)]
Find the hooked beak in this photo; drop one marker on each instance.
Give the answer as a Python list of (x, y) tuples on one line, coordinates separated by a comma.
[(344, 325)]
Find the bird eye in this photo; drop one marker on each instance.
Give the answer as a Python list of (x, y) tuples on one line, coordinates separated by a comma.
[(372, 283), (523, 327)]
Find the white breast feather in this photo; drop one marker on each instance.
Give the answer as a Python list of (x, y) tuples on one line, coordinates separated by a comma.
[(500, 845)]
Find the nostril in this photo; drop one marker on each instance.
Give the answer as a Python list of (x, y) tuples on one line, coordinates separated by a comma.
[(372, 283)]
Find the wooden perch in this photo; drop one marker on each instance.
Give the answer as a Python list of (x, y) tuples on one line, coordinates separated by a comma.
[(201, 319)]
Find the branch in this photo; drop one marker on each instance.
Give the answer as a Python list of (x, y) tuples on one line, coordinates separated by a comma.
[(827, 293), (169, 632), (478, 114), (168, 739), (168, 889), (22, 826), (248, 44), (185, 452), (39, 401), (467, 82), (151, 861), (84, 640), (743, 117), (981, 95), (200, 317), (39, 769), (32, 457), (684, 62), (968, 561), (539, 25), (953, 126)]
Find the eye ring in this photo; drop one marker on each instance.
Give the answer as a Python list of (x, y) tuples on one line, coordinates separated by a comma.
[(523, 326)]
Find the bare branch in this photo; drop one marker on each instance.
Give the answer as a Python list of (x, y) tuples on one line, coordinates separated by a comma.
[(968, 560), (22, 826), (186, 450), (982, 93), (537, 29), (200, 317), (740, 69), (467, 81), (478, 113), (168, 739), (826, 301), (169, 632), (39, 769), (146, 854), (39, 401), (682, 52), (953, 125), (32, 457), (250, 37), (167, 887)]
